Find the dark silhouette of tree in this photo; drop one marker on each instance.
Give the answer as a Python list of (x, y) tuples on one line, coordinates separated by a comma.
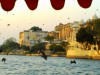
[(9, 45), (85, 36), (36, 28), (37, 47), (33, 50), (64, 44), (1, 50), (96, 29), (49, 38), (52, 46), (26, 48), (57, 48)]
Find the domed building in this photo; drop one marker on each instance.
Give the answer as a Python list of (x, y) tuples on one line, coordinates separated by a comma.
[(81, 23), (59, 27), (89, 22), (94, 17)]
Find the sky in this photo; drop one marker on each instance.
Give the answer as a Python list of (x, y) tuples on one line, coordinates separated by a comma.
[(44, 16)]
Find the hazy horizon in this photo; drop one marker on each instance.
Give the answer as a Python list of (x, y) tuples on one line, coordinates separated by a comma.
[(45, 17)]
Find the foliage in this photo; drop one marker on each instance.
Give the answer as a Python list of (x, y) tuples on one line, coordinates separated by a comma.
[(25, 47), (64, 44), (96, 29), (52, 47), (49, 38), (56, 48), (36, 28), (84, 35), (1, 50), (33, 50), (9, 45), (90, 34), (59, 48), (37, 47)]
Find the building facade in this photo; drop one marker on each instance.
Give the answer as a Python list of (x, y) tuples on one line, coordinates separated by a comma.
[(30, 37)]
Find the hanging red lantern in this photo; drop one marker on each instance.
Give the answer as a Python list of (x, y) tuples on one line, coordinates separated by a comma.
[(7, 5), (32, 4), (85, 3), (57, 4)]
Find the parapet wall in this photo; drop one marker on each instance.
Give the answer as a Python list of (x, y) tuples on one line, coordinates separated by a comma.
[(90, 54)]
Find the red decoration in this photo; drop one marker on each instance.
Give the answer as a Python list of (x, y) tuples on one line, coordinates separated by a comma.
[(57, 4), (32, 4), (85, 3), (7, 5)]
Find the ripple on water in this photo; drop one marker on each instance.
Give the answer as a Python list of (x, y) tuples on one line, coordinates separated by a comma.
[(24, 65)]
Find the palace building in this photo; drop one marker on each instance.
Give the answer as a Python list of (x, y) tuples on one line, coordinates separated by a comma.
[(30, 37), (63, 32)]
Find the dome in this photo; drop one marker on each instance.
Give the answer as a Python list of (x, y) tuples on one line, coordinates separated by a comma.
[(75, 24), (95, 17), (60, 24), (82, 22), (89, 22)]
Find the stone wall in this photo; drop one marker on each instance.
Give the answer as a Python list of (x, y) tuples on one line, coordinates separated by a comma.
[(90, 54)]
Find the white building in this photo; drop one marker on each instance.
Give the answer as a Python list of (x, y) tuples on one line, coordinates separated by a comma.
[(30, 37)]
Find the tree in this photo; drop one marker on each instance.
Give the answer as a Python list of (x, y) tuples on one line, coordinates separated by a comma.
[(33, 50), (90, 34), (96, 29), (52, 47), (10, 45), (37, 47), (57, 48), (36, 28), (64, 44), (49, 38), (1, 50), (26, 48), (85, 36)]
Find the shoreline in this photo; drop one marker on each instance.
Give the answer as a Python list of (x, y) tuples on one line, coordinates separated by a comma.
[(70, 54)]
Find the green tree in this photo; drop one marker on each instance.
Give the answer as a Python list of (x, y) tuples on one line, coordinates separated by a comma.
[(36, 28), (1, 50), (64, 44), (26, 48), (33, 50), (52, 46), (49, 38), (40, 46), (96, 29), (85, 36), (37, 47), (9, 45), (57, 48)]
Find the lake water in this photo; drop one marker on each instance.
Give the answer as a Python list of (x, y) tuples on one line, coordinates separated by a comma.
[(36, 65)]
